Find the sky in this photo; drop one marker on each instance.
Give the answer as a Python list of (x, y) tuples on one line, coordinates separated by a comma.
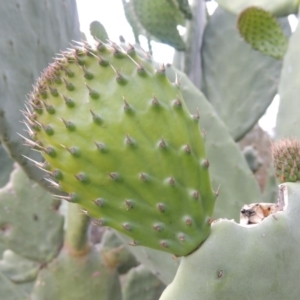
[(111, 14)]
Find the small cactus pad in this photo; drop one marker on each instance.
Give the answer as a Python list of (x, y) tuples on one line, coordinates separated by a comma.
[(262, 31), (286, 157), (117, 136)]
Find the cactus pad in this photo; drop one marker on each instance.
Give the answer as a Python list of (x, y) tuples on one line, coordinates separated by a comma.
[(262, 31), (286, 156), (117, 136), (160, 19)]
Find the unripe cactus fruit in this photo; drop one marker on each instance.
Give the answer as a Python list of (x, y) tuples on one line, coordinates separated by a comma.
[(116, 135), (286, 157)]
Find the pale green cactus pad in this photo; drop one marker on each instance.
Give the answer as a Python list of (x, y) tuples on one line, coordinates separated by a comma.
[(238, 261), (117, 136), (262, 31), (160, 19), (29, 222)]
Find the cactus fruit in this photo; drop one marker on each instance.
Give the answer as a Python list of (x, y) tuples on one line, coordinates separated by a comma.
[(117, 136), (262, 31), (286, 157)]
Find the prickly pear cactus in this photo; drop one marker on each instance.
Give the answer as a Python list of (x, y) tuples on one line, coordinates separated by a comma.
[(117, 136)]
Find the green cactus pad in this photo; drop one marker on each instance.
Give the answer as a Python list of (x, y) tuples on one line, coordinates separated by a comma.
[(286, 157), (160, 18), (117, 136), (262, 31)]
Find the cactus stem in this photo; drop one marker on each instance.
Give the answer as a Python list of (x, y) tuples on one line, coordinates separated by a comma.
[(76, 238)]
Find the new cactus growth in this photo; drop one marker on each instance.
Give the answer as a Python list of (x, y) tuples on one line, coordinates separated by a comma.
[(262, 31), (117, 137)]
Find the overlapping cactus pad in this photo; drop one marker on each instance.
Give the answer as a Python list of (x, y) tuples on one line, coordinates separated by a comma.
[(118, 138)]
